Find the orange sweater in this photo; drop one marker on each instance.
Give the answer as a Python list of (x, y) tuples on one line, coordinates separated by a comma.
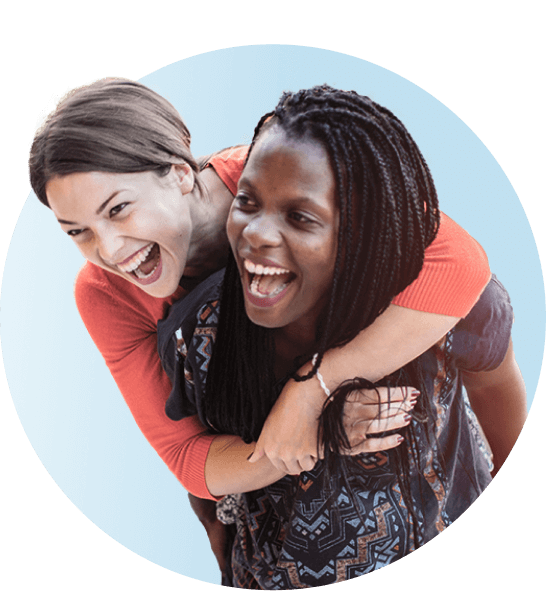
[(122, 321)]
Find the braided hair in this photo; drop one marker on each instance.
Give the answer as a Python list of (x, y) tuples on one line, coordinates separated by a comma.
[(388, 215)]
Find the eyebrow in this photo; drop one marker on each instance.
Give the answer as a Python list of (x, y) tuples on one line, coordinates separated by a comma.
[(100, 209)]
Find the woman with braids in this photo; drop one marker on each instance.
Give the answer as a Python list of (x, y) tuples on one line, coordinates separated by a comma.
[(113, 162), (334, 211)]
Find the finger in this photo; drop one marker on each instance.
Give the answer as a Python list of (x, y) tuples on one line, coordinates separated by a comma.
[(256, 455), (358, 432), (308, 463), (389, 424), (297, 465), (320, 452), (366, 413), (383, 395), (375, 444), (293, 467)]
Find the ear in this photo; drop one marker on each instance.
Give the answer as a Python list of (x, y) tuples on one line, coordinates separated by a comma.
[(184, 176)]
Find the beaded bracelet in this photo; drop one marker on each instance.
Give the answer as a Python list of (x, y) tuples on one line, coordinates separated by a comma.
[(320, 378)]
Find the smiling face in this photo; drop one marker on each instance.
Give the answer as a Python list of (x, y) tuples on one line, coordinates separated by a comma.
[(135, 225), (282, 229)]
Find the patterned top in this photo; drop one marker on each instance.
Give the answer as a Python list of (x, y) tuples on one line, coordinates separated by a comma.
[(298, 532)]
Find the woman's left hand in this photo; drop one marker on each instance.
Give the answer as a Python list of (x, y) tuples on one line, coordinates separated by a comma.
[(289, 437)]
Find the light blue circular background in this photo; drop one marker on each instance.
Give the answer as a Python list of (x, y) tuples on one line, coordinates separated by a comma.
[(66, 399)]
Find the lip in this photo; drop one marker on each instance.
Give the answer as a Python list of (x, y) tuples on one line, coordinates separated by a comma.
[(131, 257), (261, 302), (261, 261), (154, 277)]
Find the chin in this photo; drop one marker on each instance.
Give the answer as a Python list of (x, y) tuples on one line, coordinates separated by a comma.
[(262, 319)]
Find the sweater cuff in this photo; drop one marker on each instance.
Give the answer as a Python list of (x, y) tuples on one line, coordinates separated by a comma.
[(192, 474)]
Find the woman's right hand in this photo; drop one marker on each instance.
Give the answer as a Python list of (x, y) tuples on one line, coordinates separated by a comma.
[(377, 411)]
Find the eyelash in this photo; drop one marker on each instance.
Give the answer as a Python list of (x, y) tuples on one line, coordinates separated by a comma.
[(244, 202), (112, 213)]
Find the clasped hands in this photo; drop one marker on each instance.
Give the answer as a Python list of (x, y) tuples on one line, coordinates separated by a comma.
[(289, 436)]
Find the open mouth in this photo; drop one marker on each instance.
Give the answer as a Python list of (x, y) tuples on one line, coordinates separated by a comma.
[(144, 264), (266, 283)]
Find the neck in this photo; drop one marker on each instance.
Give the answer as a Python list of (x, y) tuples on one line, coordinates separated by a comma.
[(209, 243), (291, 344)]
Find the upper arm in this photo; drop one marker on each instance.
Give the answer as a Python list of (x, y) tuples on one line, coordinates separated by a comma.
[(127, 340), (454, 274), (501, 376)]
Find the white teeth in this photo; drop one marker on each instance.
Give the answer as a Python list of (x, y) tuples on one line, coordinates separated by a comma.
[(142, 275), (261, 270), (254, 289), (137, 260)]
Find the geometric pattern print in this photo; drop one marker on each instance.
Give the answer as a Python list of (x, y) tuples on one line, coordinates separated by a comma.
[(181, 354), (295, 535), (432, 470), (204, 335), (202, 341)]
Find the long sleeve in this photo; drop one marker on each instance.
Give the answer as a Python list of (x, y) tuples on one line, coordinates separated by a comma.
[(121, 319), (454, 274)]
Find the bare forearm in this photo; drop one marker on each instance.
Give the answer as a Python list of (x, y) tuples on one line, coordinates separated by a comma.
[(397, 337), (227, 469)]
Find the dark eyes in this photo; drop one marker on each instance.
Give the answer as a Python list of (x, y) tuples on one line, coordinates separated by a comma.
[(243, 201), (112, 213), (300, 218), (247, 204), (117, 208)]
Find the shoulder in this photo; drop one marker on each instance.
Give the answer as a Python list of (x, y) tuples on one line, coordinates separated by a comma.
[(113, 308), (92, 288), (481, 339), (229, 164), (454, 274)]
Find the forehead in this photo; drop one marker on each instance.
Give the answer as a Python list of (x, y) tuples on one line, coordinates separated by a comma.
[(284, 160)]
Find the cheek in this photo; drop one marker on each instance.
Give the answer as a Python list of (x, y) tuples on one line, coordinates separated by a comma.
[(86, 249), (323, 263), (234, 227)]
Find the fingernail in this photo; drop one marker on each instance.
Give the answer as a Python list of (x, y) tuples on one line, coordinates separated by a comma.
[(407, 418), (399, 439), (415, 393), (250, 456)]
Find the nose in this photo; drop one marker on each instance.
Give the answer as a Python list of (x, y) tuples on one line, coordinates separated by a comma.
[(262, 232), (109, 245)]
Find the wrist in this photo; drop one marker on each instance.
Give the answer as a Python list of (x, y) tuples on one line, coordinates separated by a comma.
[(329, 372), (308, 392), (319, 377)]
